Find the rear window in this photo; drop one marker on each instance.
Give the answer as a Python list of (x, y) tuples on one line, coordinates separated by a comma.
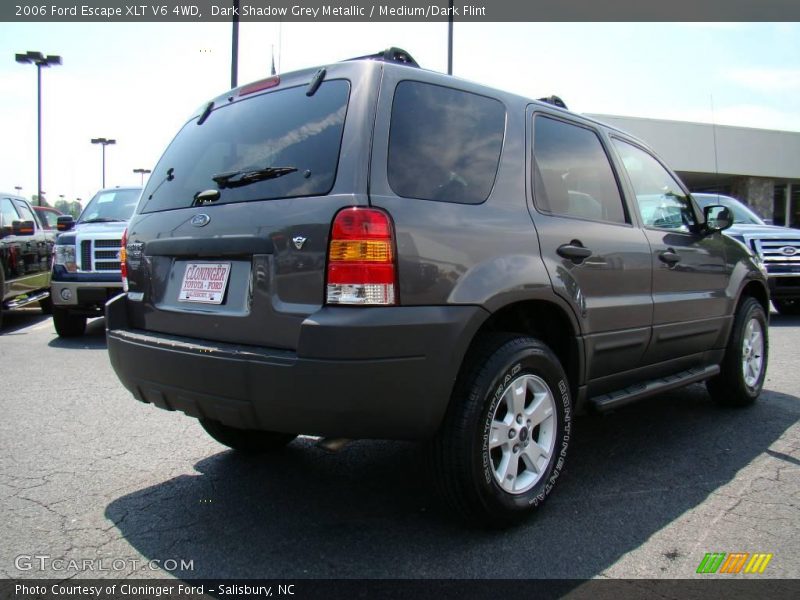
[(444, 144), (281, 144), (110, 206)]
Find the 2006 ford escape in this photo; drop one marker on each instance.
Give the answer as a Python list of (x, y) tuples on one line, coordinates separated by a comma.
[(372, 250)]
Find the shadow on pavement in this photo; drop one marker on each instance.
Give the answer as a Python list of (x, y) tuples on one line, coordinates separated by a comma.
[(15, 320), (93, 339), (368, 512)]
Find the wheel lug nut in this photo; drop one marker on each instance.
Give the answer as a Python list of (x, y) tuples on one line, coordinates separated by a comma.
[(516, 448), (512, 433), (519, 419)]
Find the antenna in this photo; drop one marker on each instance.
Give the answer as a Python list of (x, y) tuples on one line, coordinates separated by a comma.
[(714, 131)]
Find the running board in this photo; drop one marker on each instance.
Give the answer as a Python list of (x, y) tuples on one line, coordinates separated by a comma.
[(636, 392), (17, 303)]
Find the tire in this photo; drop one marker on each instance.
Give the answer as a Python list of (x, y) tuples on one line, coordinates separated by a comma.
[(481, 441), (46, 305), (250, 441), (66, 324), (787, 306), (744, 365)]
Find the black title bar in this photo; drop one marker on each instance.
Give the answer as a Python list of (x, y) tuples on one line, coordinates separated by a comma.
[(132, 11)]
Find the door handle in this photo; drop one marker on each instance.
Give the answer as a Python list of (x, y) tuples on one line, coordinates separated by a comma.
[(574, 251), (669, 256)]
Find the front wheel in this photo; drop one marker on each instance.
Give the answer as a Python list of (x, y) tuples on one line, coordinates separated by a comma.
[(504, 440), (67, 324), (251, 441), (744, 365)]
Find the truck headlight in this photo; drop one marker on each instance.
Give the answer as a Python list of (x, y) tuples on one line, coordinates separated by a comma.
[(65, 256)]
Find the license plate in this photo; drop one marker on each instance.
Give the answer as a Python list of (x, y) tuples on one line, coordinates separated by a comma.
[(204, 282)]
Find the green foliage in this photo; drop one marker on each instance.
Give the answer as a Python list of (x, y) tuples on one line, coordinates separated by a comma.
[(69, 207)]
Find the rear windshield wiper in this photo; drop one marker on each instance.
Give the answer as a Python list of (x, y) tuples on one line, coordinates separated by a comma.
[(103, 220), (235, 179)]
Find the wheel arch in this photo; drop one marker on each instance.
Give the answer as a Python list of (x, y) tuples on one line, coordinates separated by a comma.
[(544, 319), (754, 289)]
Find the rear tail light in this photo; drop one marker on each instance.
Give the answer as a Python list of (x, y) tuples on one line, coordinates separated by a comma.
[(123, 258), (361, 261)]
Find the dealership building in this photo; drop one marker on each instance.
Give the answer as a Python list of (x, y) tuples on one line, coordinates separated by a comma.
[(760, 167)]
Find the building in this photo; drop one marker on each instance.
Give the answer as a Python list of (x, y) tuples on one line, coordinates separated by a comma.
[(760, 167)]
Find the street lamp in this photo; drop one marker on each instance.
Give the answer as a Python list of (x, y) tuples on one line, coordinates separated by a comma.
[(104, 143), (142, 172), (40, 60), (19, 189)]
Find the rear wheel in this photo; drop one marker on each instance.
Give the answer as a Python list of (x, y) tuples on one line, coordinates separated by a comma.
[(66, 324), (787, 306), (251, 441), (503, 443), (745, 363)]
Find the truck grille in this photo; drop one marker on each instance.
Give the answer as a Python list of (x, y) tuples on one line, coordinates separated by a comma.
[(779, 255), (98, 256)]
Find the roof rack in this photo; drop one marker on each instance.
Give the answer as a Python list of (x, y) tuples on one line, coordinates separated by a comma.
[(554, 100), (396, 55)]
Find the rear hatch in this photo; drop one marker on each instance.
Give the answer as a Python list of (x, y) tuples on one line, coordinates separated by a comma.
[(229, 240)]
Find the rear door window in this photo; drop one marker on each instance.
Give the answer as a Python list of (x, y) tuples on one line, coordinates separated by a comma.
[(281, 144), (444, 144)]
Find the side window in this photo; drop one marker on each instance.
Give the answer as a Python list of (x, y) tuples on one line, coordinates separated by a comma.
[(25, 213), (8, 214), (444, 144), (572, 175), (662, 203), (50, 219)]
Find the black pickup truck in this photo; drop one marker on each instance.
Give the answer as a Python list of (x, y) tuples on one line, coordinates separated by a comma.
[(25, 254)]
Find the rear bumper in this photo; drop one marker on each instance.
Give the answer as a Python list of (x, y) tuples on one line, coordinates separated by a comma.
[(358, 372)]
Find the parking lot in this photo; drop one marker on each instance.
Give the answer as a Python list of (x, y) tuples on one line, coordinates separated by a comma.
[(89, 475)]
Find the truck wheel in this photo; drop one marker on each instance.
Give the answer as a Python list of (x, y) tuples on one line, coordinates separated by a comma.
[(503, 442), (251, 441), (745, 363), (788, 306), (66, 324), (46, 305)]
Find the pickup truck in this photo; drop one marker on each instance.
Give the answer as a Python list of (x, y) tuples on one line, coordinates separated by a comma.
[(25, 255), (86, 269)]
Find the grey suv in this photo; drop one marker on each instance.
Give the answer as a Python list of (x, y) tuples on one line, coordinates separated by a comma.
[(372, 250)]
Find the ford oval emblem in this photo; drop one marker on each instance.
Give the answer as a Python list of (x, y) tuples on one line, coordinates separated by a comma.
[(788, 250), (200, 220)]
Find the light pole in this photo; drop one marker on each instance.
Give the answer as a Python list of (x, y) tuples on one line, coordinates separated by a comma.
[(40, 60), (19, 189), (142, 172), (104, 142)]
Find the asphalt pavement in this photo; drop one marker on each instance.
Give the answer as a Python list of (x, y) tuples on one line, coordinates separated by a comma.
[(104, 486)]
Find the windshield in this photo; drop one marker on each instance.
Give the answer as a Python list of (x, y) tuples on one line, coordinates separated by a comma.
[(741, 214), (281, 144), (111, 205)]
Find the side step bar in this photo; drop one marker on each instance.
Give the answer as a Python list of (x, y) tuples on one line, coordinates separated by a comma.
[(636, 392), (16, 303)]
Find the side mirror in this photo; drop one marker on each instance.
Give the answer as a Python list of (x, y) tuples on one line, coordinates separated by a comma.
[(65, 223), (717, 217), (22, 227)]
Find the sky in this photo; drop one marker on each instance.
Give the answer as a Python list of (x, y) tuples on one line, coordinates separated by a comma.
[(138, 83)]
